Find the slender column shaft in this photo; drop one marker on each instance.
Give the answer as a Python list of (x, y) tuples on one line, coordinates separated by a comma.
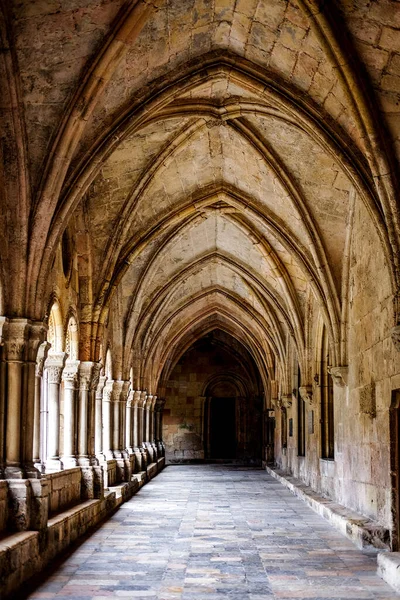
[(98, 438), (107, 419), (85, 374), (117, 391), (36, 417), (70, 378), (54, 366), (128, 423)]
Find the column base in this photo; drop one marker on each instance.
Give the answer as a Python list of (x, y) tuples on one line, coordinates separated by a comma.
[(69, 462), (144, 459), (53, 465), (138, 460), (31, 472), (83, 461), (155, 451), (13, 472), (108, 455)]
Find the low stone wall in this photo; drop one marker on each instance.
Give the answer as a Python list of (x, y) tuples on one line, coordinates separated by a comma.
[(26, 553), (65, 489), (110, 473)]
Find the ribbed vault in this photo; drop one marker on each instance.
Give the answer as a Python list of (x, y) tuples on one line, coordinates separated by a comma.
[(208, 157)]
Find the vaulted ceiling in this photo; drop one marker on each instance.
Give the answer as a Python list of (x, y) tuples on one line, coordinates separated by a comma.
[(216, 149)]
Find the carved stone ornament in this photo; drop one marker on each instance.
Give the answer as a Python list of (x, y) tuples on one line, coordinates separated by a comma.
[(70, 373), (129, 400), (149, 402), (306, 393), (95, 376), (287, 400), (117, 390), (108, 391), (15, 339), (395, 333), (339, 375), (41, 357), (100, 386), (54, 374), (136, 397), (142, 401), (85, 375)]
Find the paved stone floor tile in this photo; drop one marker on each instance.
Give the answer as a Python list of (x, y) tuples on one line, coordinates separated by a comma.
[(209, 532)]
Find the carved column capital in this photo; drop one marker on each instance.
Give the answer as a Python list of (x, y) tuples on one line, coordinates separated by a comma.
[(70, 373), (306, 393), (339, 375), (100, 386), (15, 336), (96, 369), (149, 402), (286, 400), (54, 366), (41, 358), (136, 397), (125, 391), (108, 390), (142, 400), (37, 332), (86, 372), (117, 390)]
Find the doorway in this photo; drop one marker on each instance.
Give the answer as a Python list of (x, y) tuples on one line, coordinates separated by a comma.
[(222, 428)]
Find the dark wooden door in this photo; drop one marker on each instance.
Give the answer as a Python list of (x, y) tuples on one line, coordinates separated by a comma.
[(223, 428)]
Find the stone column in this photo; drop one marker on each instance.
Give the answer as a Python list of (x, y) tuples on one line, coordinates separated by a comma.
[(135, 425), (94, 382), (36, 337), (98, 434), (70, 379), (147, 439), (160, 403), (122, 417), (128, 423), (40, 360), (54, 365), (153, 428), (141, 427), (15, 342), (116, 399), (84, 381), (107, 419)]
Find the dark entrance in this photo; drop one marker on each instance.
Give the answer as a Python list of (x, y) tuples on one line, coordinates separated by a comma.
[(222, 428)]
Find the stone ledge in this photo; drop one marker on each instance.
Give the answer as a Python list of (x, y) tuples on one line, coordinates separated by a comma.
[(140, 477), (152, 470), (389, 568), (160, 463), (363, 532)]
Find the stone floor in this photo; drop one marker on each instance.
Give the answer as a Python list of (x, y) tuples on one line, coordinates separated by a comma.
[(211, 532)]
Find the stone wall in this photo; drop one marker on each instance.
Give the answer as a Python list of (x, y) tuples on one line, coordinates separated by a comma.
[(186, 397), (359, 475)]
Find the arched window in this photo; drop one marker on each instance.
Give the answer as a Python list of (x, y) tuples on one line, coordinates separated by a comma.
[(327, 407)]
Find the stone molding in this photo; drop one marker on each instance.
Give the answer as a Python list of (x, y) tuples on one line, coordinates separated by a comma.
[(306, 393), (54, 366), (70, 373), (85, 375), (41, 358), (136, 397), (117, 390), (286, 400), (108, 390), (339, 375)]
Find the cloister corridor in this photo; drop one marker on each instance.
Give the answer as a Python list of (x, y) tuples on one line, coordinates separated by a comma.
[(208, 532)]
